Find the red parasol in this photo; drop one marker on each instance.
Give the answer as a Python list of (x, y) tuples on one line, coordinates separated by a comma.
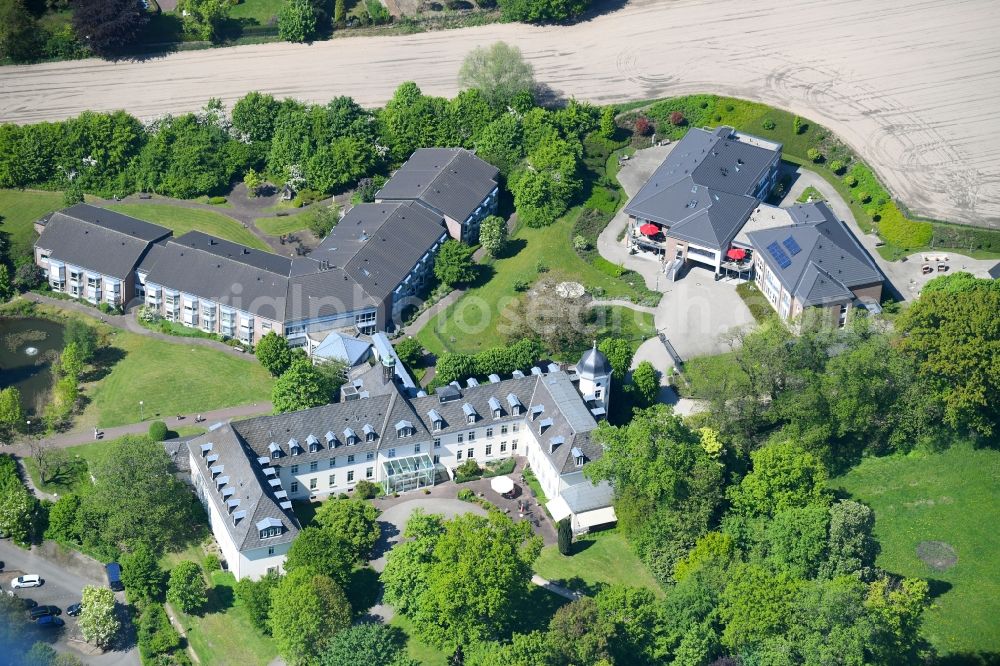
[(649, 229), (736, 253)]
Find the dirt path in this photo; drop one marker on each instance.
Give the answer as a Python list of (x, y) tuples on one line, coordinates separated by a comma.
[(911, 85)]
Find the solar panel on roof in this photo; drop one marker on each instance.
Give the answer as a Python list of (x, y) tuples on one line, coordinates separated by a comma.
[(792, 247), (779, 255)]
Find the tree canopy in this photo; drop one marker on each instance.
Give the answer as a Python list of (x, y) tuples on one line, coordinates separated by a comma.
[(453, 264), (109, 27), (307, 611), (355, 522), (498, 72)]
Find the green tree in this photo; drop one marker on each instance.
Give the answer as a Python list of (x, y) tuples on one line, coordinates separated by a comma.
[(564, 531), (783, 477), (501, 143), (18, 32), (493, 235), (83, 336), (158, 431), (897, 610), (64, 522), (367, 644), (619, 353), (71, 361), (355, 522), (608, 126), (141, 574), (307, 611), (340, 163), (852, 547), (498, 72), (453, 599), (186, 589), (410, 351), (411, 120), (323, 219), (951, 333), (546, 184), (273, 353), (156, 634), (301, 386), (579, 634), (542, 11), (339, 12), (795, 540), (255, 597), (98, 620), (17, 508), (631, 618), (646, 383), (532, 649), (11, 414), (756, 605), (453, 264), (322, 550), (109, 27), (135, 499), (203, 19), (296, 21), (253, 182), (453, 367), (667, 488), (6, 284), (254, 115)]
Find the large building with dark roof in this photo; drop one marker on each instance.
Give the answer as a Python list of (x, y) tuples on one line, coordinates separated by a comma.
[(450, 182), (697, 201), (247, 473), (816, 262)]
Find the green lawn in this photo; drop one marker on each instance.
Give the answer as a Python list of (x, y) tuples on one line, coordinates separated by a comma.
[(286, 224), (182, 220), (952, 497), (704, 374), (171, 378), (475, 318), (223, 635), (75, 472), (810, 194), (19, 209), (259, 12), (598, 560), (424, 654)]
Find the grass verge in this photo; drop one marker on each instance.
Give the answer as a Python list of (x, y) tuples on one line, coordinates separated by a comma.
[(597, 560), (183, 220), (286, 224), (947, 497), (19, 210)]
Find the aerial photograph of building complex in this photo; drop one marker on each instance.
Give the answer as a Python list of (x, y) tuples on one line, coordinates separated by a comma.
[(499, 333)]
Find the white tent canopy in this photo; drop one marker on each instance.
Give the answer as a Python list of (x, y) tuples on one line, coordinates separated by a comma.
[(502, 484)]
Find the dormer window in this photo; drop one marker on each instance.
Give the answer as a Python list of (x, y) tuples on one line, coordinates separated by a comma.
[(438, 425), (275, 450), (470, 413), (269, 528), (350, 436), (404, 429), (495, 408), (313, 444), (331, 439), (577, 456), (536, 411), (435, 418), (293, 447), (544, 425), (514, 403), (369, 433)]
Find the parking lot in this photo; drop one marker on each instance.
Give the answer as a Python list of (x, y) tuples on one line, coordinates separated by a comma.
[(63, 582)]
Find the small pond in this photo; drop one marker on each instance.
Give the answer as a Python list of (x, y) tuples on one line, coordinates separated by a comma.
[(28, 347)]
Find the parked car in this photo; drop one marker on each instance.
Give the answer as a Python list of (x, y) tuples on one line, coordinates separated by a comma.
[(28, 580), (42, 611), (114, 571), (50, 621), (29, 604), (74, 609), (1, 565)]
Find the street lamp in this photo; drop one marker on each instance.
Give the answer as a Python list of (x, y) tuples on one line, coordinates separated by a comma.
[(141, 417)]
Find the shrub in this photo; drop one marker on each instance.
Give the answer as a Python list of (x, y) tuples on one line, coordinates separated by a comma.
[(365, 489), (814, 154), (469, 468), (768, 124), (466, 495), (677, 118), (343, 496), (541, 268), (378, 12), (851, 180), (211, 563), (798, 125), (215, 201), (837, 167), (410, 351), (642, 126), (899, 231), (580, 243), (521, 285), (602, 199), (565, 534), (864, 197), (157, 431)]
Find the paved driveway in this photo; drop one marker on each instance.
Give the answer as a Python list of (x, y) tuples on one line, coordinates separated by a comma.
[(64, 582), (393, 520)]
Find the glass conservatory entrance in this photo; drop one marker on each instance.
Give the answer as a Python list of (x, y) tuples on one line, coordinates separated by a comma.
[(403, 474)]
